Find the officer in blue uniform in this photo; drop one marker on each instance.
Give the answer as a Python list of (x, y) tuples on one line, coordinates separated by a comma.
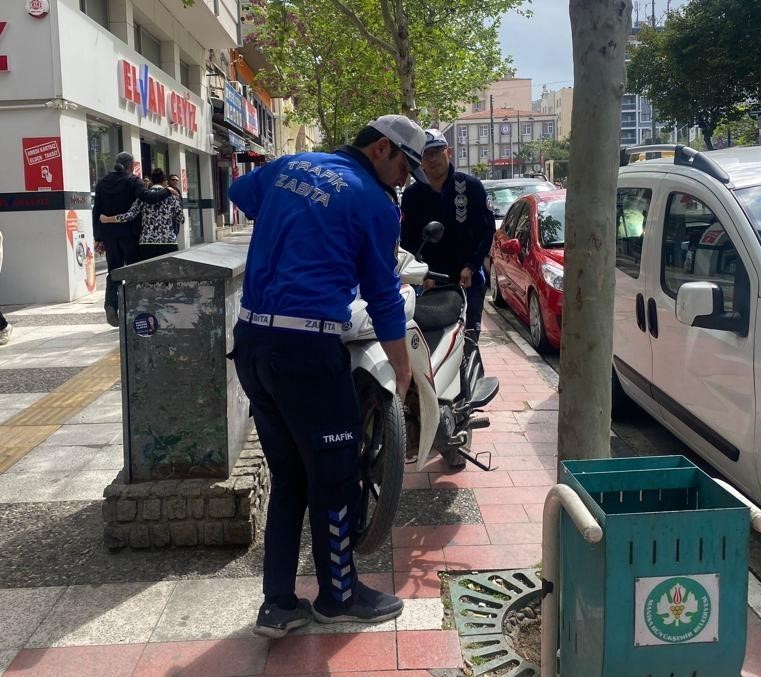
[(324, 224)]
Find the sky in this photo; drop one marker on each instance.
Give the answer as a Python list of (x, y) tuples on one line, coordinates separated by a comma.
[(541, 46)]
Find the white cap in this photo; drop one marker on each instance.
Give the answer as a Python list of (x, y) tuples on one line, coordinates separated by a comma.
[(407, 135), (435, 139)]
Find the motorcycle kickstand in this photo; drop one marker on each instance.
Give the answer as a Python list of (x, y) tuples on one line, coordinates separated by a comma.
[(474, 459)]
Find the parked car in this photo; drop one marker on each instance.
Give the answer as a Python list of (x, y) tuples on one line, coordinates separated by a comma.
[(687, 327), (501, 193), (526, 271)]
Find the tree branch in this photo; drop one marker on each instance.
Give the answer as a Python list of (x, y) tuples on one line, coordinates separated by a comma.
[(357, 23)]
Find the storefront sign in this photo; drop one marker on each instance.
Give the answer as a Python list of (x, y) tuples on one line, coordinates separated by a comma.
[(237, 142), (151, 99), (4, 68), (82, 254), (37, 8), (234, 109), (43, 165), (251, 121)]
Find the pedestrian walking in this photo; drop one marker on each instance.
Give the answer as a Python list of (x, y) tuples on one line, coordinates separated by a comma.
[(114, 194), (457, 200), (324, 224), (161, 221), (5, 327)]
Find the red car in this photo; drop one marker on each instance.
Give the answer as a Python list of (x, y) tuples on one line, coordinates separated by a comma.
[(527, 264)]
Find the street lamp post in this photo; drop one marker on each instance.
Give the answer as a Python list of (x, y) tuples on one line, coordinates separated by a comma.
[(491, 135), (518, 154)]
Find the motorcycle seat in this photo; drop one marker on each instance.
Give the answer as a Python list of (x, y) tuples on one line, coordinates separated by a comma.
[(438, 307)]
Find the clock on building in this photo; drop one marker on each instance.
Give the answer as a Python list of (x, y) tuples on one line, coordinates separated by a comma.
[(505, 129)]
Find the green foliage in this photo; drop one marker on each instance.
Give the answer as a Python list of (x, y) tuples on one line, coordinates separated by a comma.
[(348, 61), (481, 170), (703, 65)]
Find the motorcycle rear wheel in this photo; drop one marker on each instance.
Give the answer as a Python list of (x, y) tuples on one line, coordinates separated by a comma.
[(382, 455)]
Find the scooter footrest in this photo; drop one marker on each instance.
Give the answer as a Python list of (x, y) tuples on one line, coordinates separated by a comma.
[(484, 391), (479, 422)]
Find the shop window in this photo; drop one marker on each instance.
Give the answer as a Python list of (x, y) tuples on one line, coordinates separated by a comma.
[(97, 10), (148, 45), (104, 141)]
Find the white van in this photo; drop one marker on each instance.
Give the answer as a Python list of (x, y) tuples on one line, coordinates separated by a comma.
[(687, 327)]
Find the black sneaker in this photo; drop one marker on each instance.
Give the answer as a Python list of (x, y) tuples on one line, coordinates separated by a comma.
[(275, 622), (111, 316), (370, 606)]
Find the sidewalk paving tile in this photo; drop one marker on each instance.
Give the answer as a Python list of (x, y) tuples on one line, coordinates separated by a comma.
[(513, 463), (515, 534), (504, 514), (508, 495), (121, 613), (204, 658), (33, 487), (417, 584), (439, 535), (77, 661), (12, 403), (471, 480), (525, 448), (416, 480), (421, 614), (106, 409), (535, 511), (216, 608), (303, 654), (429, 649), (752, 665), (22, 610), (91, 433), (464, 558), (532, 478), (46, 458), (415, 559), (6, 658)]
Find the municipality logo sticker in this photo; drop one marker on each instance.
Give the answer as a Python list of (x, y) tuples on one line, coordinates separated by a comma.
[(677, 609)]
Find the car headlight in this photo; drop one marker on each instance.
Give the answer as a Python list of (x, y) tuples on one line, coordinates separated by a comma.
[(553, 275)]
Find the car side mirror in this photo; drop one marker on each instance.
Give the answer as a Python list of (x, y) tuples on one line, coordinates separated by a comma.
[(511, 247), (701, 304)]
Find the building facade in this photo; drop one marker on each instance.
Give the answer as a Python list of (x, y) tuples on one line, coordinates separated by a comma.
[(493, 143), (81, 80), (507, 92), (560, 104)]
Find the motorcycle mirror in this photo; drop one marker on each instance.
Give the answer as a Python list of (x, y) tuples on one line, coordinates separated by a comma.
[(433, 232)]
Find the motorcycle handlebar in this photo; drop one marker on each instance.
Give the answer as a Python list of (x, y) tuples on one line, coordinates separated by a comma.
[(437, 277)]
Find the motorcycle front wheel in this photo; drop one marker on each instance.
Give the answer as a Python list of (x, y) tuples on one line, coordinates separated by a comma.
[(381, 457)]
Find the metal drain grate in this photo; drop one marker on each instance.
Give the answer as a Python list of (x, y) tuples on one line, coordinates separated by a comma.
[(480, 602)]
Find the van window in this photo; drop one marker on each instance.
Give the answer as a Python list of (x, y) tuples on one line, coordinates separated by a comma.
[(697, 248), (632, 205)]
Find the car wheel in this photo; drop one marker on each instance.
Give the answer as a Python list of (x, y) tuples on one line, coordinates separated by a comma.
[(496, 294), (536, 325)]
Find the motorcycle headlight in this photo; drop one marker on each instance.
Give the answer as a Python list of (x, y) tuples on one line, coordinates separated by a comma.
[(553, 275)]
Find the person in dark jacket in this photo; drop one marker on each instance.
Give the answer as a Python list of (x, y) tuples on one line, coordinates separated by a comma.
[(114, 194), (458, 201)]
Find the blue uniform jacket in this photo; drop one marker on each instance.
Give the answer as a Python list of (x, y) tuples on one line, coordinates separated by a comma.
[(323, 224)]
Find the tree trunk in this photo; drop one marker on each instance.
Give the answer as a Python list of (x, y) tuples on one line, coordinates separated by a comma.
[(707, 136), (600, 29)]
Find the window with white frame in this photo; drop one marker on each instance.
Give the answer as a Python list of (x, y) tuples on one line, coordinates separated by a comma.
[(528, 128), (483, 153), (462, 132), (483, 131), (463, 153), (504, 151), (548, 128)]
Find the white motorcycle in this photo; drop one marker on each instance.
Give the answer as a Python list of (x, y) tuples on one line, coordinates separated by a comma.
[(448, 388)]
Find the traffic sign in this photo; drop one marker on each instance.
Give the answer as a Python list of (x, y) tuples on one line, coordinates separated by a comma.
[(755, 113)]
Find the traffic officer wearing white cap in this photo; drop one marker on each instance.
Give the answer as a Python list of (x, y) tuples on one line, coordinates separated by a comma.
[(324, 224), (457, 200)]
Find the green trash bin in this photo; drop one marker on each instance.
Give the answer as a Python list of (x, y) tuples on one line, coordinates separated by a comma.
[(664, 593)]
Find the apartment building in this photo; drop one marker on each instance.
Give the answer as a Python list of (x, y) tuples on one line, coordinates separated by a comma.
[(81, 80), (495, 139), (560, 104)]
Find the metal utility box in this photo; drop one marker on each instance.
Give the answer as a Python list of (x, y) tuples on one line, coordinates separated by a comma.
[(664, 593), (184, 412)]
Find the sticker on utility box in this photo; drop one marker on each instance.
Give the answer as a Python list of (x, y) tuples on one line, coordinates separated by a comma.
[(145, 324), (676, 609)]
